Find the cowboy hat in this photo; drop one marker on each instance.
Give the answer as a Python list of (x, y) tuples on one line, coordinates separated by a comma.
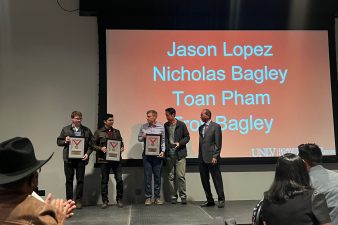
[(17, 159)]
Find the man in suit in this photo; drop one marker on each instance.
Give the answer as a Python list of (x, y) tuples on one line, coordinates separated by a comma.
[(210, 144)]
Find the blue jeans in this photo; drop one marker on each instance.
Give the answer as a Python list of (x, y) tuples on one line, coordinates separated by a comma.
[(152, 165)]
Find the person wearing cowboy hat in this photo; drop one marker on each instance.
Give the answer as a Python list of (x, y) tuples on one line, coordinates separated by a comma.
[(18, 178)]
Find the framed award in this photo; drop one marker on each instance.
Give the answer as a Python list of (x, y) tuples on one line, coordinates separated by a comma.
[(76, 147), (153, 144), (113, 150)]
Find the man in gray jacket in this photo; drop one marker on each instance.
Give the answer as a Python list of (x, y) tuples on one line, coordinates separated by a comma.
[(210, 145)]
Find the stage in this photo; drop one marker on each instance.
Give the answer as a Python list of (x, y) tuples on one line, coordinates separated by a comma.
[(168, 214)]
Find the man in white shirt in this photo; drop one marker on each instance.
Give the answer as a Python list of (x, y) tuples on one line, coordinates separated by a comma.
[(152, 163)]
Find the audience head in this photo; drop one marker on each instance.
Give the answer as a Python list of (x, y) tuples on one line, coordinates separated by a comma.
[(310, 153), (291, 177), (18, 164)]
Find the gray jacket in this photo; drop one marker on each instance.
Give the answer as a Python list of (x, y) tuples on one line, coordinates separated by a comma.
[(211, 144)]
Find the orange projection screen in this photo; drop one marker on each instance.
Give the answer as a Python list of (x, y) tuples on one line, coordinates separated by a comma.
[(269, 90)]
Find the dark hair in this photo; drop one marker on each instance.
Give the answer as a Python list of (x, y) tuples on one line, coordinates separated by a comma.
[(291, 178), (171, 111), (76, 113), (107, 116), (208, 112), (311, 153)]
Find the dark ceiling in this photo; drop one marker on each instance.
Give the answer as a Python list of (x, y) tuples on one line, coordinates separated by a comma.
[(213, 14)]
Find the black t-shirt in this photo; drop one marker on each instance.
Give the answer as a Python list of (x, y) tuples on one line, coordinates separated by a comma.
[(306, 208)]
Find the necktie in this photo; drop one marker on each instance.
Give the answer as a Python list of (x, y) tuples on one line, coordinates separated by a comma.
[(205, 129)]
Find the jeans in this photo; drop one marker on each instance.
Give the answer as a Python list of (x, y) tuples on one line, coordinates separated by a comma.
[(152, 165)]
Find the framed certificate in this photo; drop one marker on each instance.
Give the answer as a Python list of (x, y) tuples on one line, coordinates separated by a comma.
[(76, 147), (153, 144), (113, 150)]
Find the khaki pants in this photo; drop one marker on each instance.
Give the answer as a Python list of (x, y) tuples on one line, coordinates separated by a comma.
[(176, 169)]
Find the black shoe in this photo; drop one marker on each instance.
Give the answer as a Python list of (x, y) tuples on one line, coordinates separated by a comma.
[(183, 201), (119, 204), (221, 204), (207, 204), (173, 200)]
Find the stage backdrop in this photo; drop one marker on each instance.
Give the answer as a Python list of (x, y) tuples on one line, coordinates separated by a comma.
[(269, 90)]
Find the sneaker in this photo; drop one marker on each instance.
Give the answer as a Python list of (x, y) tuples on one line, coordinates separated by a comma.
[(158, 201), (119, 204), (148, 201), (78, 205), (183, 201), (173, 200), (104, 205)]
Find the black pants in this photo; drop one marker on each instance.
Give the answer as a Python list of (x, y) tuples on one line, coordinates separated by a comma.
[(105, 171), (70, 168), (214, 170)]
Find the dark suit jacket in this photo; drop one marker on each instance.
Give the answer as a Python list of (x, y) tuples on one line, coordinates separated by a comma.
[(211, 144), (181, 135)]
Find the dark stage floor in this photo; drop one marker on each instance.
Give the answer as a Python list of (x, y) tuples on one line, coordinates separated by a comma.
[(167, 214)]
